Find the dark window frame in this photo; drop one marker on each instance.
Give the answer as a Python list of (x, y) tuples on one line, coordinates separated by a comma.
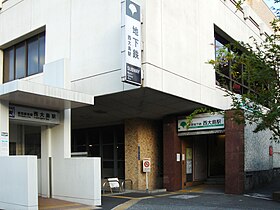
[(117, 144), (238, 85), (25, 44)]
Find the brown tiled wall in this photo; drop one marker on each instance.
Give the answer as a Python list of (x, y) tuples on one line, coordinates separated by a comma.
[(234, 155), (172, 170), (146, 134)]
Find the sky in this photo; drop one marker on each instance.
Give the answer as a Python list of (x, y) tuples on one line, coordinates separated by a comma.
[(270, 3)]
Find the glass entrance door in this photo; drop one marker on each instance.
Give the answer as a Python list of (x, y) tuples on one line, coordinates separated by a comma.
[(189, 164), (25, 140), (32, 140)]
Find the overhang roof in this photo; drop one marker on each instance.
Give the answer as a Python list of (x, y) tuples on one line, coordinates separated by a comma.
[(33, 94), (145, 103)]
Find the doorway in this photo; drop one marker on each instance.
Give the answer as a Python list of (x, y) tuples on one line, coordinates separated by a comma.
[(216, 156), (25, 140), (203, 157)]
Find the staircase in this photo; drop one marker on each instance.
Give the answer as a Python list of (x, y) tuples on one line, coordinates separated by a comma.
[(215, 181)]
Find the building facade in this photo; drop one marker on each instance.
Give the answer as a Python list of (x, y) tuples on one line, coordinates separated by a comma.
[(64, 97)]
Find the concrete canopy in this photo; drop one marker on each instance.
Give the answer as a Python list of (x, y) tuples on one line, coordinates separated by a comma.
[(145, 103), (32, 94)]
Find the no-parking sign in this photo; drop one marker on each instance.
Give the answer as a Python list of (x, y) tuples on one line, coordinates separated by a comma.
[(146, 165)]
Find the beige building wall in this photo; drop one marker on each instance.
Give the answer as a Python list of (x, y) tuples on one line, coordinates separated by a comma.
[(146, 135), (262, 10)]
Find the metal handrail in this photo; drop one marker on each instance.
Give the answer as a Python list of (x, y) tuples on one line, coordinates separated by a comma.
[(127, 180)]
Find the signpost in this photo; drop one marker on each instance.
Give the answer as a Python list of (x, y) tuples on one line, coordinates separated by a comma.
[(147, 169)]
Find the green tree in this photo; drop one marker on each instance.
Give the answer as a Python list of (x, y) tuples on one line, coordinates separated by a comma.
[(260, 64)]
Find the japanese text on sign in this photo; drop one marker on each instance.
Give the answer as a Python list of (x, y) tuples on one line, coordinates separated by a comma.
[(30, 114), (202, 122), (131, 53)]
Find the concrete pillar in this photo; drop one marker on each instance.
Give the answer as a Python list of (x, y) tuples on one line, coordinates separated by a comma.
[(61, 137), (1, 66), (234, 155), (4, 128), (67, 133), (60, 149), (143, 135), (172, 169), (45, 161)]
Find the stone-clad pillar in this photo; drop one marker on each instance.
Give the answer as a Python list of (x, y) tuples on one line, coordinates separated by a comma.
[(172, 170), (234, 155), (142, 135)]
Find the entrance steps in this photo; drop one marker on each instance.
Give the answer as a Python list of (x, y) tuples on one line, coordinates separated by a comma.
[(215, 181)]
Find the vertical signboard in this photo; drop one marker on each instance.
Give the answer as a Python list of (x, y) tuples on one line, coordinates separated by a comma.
[(131, 43)]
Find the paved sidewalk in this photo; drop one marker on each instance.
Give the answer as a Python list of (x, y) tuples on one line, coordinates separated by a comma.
[(266, 190), (199, 197), (196, 197), (128, 200), (55, 204)]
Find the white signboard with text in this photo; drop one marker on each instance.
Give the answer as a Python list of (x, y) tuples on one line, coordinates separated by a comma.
[(202, 122), (146, 165), (33, 115), (131, 42), (4, 144)]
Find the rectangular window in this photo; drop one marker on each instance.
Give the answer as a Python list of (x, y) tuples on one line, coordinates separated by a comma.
[(41, 52), (226, 76), (20, 61), (33, 57), (25, 58), (105, 142), (9, 64)]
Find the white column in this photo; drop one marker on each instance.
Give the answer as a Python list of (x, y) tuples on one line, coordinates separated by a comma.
[(67, 133), (45, 163), (4, 128), (1, 63)]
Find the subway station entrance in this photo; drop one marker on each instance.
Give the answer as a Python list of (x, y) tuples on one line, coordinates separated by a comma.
[(209, 150), (202, 149), (203, 159)]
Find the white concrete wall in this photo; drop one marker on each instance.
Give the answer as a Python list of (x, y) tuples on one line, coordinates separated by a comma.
[(256, 145), (73, 179), (178, 40), (96, 47), (74, 32), (78, 180), (276, 155), (18, 181), (257, 150), (56, 74)]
